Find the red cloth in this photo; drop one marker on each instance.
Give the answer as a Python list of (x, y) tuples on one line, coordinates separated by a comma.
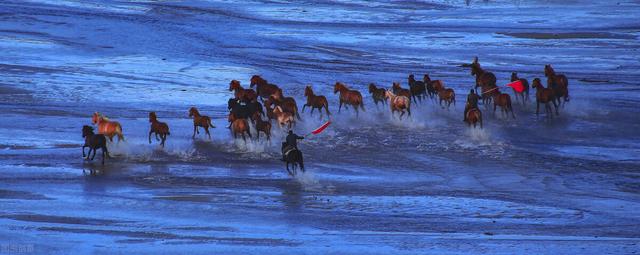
[(517, 86), (321, 128)]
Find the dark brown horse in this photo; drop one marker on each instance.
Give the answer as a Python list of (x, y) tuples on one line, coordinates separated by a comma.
[(525, 93), (240, 126), (288, 104), (314, 101), (545, 96), (348, 97), (159, 128), (417, 88), (262, 126), (94, 142), (399, 91), (474, 115), (432, 86), (448, 96), (200, 121), (245, 95), (484, 79), (377, 94), (558, 82), (504, 101), (264, 89)]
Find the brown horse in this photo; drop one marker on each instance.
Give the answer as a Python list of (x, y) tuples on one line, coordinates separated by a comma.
[(263, 88), (288, 104), (474, 115), (484, 79), (448, 96), (558, 82), (262, 126), (378, 94), (283, 118), (94, 142), (240, 126), (432, 86), (400, 91), (348, 97), (398, 103), (315, 101), (417, 88), (107, 127), (525, 84), (246, 95), (200, 121), (545, 96), (159, 128), (504, 101)]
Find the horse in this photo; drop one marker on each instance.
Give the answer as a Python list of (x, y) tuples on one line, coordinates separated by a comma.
[(262, 126), (245, 95), (200, 121), (504, 101), (545, 96), (294, 157), (484, 79), (159, 128), (398, 103), (242, 110), (315, 101), (378, 94), (348, 97), (283, 118), (263, 88), (448, 96), (417, 88), (268, 106), (107, 127), (288, 104), (525, 84), (558, 82), (400, 91), (474, 115), (432, 86), (240, 126), (94, 142)]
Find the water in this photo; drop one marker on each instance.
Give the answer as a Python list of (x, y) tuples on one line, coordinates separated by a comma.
[(374, 184)]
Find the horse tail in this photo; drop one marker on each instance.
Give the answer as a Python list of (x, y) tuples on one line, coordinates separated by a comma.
[(301, 161), (210, 123), (119, 132)]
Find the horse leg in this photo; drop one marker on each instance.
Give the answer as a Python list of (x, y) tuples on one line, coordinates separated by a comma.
[(290, 173), (83, 146), (401, 114), (556, 106), (304, 106), (312, 108), (537, 107), (164, 138), (206, 130), (89, 153), (157, 139), (150, 131), (194, 132), (94, 153), (357, 112), (340, 106), (103, 153)]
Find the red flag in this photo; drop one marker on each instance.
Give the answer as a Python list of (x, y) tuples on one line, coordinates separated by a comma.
[(321, 128), (517, 86)]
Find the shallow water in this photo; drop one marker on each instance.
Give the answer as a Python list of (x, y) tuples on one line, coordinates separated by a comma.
[(374, 184)]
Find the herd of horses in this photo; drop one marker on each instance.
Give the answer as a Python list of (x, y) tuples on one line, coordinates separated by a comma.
[(258, 108)]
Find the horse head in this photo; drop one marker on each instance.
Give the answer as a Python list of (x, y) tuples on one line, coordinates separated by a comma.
[(95, 117), (426, 79), (308, 91), (338, 87), (193, 112), (411, 79), (536, 84), (255, 80), (548, 71), (372, 88), (514, 76), (396, 87), (234, 84), (152, 116), (86, 131)]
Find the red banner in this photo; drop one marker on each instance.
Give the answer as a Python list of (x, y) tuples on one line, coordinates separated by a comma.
[(517, 86), (321, 128)]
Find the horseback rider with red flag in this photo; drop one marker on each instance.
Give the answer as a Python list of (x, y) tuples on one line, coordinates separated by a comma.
[(291, 143), (472, 102)]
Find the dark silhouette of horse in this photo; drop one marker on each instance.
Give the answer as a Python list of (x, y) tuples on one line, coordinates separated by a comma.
[(545, 96), (294, 157), (558, 82), (94, 142)]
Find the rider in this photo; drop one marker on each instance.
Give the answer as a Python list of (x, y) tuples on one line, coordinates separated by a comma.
[(472, 102), (291, 142)]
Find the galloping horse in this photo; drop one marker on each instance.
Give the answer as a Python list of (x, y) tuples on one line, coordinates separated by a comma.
[(398, 103), (262, 126), (240, 126), (348, 97), (159, 128), (288, 104), (417, 88), (378, 94), (400, 91), (107, 127), (294, 157), (504, 101), (448, 96), (432, 86), (200, 121), (283, 118), (545, 96), (484, 79), (94, 142), (525, 84), (315, 101), (245, 95), (558, 82), (263, 88), (241, 110), (474, 115)]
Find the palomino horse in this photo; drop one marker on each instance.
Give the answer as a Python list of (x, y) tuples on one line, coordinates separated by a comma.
[(263, 88), (417, 88), (448, 96), (398, 103), (484, 79), (545, 96), (159, 128), (378, 94), (315, 101), (474, 115), (400, 91), (200, 121), (263, 126), (245, 95), (240, 126), (288, 104), (348, 97), (283, 118), (558, 82), (432, 86), (107, 127), (525, 93), (504, 101), (294, 157), (94, 142)]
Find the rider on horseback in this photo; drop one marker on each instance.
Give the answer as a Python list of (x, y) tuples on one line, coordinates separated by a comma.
[(472, 102), (291, 143)]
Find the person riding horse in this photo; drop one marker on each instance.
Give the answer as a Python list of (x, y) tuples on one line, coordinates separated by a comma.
[(472, 102), (291, 143)]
